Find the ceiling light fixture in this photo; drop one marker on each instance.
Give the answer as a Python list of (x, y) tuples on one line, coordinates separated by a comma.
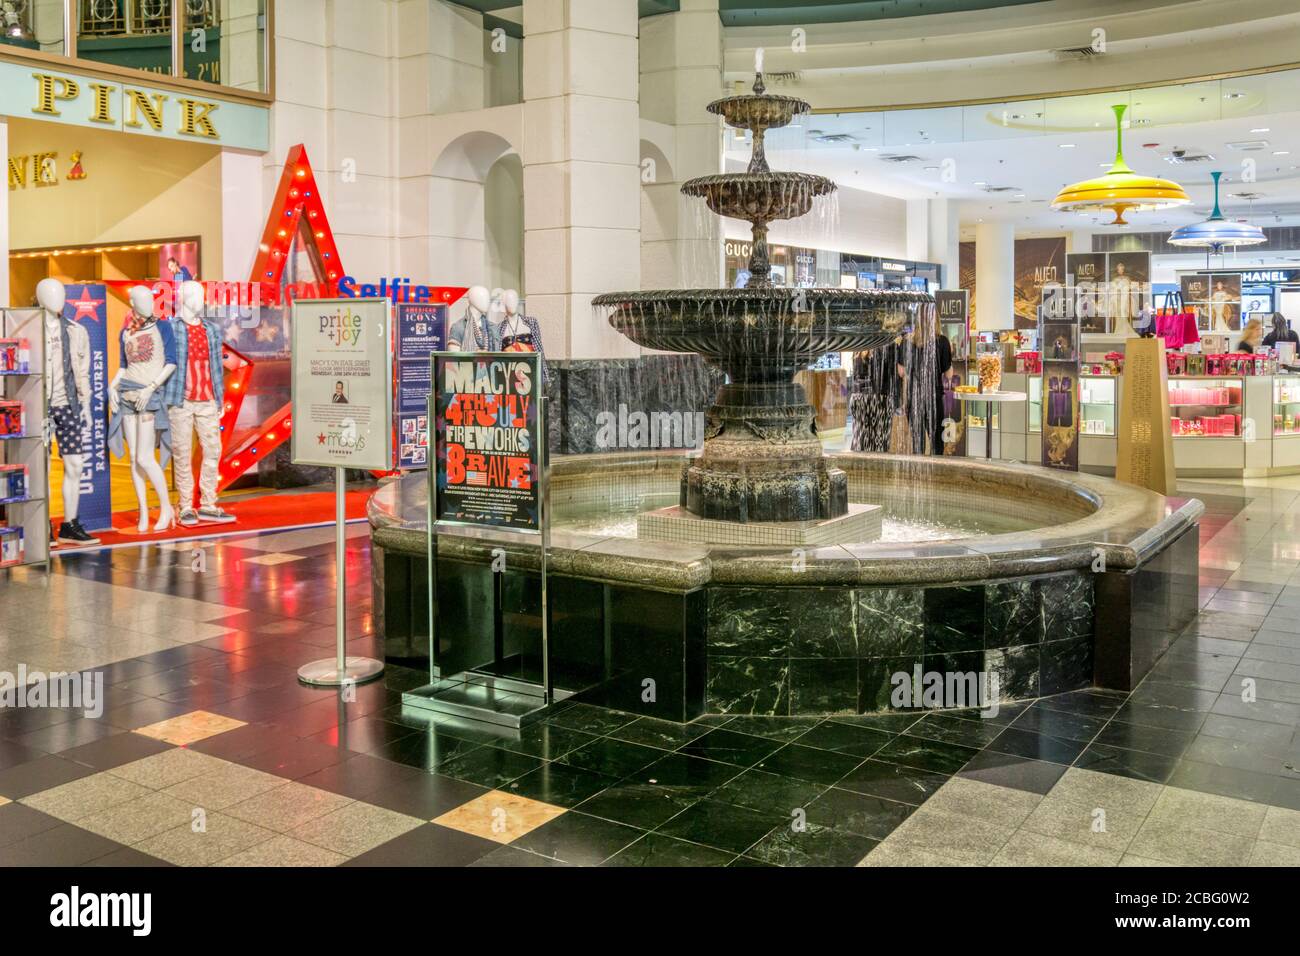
[(1121, 190), (1216, 232)]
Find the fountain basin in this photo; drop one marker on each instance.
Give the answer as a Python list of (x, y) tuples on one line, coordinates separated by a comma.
[(1052, 581)]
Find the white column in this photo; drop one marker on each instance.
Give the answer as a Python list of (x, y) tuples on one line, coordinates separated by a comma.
[(243, 213), (995, 249), (944, 240), (681, 73), (4, 224), (1078, 240), (582, 187)]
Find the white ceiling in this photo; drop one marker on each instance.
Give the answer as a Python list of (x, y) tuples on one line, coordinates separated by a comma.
[(1039, 146)]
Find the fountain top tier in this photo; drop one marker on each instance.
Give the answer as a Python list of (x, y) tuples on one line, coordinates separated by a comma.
[(762, 459)]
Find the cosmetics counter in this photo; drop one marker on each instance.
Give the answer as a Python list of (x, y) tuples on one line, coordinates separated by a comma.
[(1223, 426)]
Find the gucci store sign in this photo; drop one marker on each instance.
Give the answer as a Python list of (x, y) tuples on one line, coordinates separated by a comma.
[(98, 103)]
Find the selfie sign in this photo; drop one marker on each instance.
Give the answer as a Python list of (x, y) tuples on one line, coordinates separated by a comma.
[(486, 409)]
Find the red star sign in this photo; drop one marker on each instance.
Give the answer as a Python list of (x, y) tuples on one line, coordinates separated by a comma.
[(320, 439), (85, 305)]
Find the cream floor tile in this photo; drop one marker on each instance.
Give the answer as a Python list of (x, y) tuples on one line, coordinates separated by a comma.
[(499, 816), (1002, 806), (1190, 846), (1067, 817), (1026, 848), (1264, 853), (1131, 859), (905, 854), (1281, 826), (224, 787), (1208, 811), (140, 819), (288, 806), (81, 798), (162, 770), (275, 558), (354, 829), (217, 838), (1105, 790), (939, 832), (283, 850), (189, 728)]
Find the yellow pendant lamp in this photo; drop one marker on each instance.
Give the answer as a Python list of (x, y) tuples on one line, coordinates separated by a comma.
[(1121, 190)]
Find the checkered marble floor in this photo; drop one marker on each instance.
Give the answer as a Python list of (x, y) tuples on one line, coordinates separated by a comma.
[(208, 751)]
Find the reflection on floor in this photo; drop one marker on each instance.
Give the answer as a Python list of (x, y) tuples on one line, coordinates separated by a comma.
[(209, 751)]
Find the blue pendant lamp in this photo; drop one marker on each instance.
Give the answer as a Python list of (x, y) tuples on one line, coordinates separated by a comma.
[(1216, 232)]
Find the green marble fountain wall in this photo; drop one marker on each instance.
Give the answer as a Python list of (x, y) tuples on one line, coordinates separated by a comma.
[(718, 649), (833, 650)]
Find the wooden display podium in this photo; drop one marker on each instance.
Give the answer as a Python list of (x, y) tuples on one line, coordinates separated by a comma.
[(1146, 447)]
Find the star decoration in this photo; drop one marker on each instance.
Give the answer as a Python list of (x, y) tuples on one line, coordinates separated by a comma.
[(320, 439), (85, 305)]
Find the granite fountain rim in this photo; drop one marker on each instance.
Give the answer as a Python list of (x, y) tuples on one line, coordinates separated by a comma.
[(1127, 525)]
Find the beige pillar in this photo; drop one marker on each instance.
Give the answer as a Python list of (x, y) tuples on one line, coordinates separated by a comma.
[(582, 188), (995, 291), (681, 73)]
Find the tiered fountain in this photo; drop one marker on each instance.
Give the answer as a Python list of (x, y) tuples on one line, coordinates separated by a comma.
[(762, 461)]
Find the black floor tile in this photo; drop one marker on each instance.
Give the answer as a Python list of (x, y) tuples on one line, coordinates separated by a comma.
[(63, 845), (613, 758), (18, 822), (13, 753), (547, 741), (1018, 773), (560, 784), (808, 763), (1156, 740), (894, 781), (1025, 743), (295, 759), (845, 739), (722, 826), (966, 733), (363, 777), (785, 729), (578, 839), (511, 856), (811, 846), (592, 719), (638, 804), (489, 767), (1136, 764), (115, 750), (769, 792), (926, 754), (663, 734), (43, 773), (726, 746), (654, 849), (428, 845)]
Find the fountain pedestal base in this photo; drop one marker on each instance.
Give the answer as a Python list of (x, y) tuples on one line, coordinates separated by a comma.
[(861, 523)]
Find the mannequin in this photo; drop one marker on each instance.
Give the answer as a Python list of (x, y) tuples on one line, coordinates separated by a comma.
[(1123, 295), (475, 332), (148, 360), (67, 394), (518, 332), (193, 396)]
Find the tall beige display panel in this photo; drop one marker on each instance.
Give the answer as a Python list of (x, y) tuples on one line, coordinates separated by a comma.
[(1145, 455)]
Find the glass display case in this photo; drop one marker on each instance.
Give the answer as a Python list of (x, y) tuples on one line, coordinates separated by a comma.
[(1286, 405), (1097, 405), (1205, 407), (1035, 403)]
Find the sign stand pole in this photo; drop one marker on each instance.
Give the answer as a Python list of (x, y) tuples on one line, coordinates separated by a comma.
[(340, 670)]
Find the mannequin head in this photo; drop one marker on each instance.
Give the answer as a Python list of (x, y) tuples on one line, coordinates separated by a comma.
[(480, 300), (142, 301), (51, 295), (510, 299), (191, 301)]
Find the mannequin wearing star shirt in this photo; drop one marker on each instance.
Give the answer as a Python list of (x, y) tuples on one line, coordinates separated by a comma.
[(67, 395), (194, 396), (139, 419)]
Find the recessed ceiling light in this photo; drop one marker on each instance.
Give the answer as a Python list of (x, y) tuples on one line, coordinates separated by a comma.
[(1260, 129), (1065, 145), (1233, 96), (1281, 152), (980, 183)]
